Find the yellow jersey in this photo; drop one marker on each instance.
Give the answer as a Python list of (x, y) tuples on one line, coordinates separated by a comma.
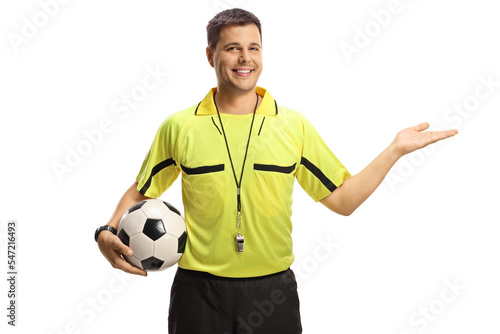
[(283, 146)]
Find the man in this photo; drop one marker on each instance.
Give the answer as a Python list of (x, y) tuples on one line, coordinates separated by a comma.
[(239, 154)]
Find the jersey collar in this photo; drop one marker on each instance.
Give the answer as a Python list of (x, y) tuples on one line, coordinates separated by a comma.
[(267, 107)]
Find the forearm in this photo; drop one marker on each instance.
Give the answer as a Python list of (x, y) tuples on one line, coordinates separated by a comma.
[(110, 245), (128, 199), (356, 189)]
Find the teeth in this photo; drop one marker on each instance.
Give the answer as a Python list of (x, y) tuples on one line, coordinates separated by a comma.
[(243, 71)]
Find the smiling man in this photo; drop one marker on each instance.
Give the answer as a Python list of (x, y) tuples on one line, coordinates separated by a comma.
[(237, 59), (239, 154)]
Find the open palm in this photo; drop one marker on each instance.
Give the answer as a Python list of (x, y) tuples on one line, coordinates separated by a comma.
[(413, 138)]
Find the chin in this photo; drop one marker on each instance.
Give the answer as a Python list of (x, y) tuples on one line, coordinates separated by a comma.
[(245, 88)]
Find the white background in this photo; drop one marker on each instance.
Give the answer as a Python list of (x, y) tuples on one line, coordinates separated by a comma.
[(431, 224)]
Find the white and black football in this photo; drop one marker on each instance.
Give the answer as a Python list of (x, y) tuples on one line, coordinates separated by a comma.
[(156, 233)]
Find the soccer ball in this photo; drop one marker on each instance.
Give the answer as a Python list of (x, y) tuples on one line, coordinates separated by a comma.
[(156, 233)]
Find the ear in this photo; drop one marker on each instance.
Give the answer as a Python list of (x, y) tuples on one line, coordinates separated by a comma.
[(210, 56)]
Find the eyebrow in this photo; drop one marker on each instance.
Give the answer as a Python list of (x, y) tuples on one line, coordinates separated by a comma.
[(238, 44)]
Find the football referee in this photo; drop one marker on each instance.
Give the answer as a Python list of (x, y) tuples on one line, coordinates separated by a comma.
[(239, 153)]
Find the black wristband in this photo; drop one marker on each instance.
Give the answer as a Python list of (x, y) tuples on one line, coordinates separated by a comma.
[(104, 228)]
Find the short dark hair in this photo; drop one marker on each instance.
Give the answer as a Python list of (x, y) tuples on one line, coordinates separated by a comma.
[(234, 16)]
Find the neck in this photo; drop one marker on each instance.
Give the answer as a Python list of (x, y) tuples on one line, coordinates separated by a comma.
[(236, 103)]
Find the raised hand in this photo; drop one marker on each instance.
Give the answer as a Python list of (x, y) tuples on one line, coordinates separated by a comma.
[(414, 138), (356, 189)]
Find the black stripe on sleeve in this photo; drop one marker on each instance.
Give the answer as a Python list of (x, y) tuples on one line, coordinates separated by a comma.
[(275, 168), (318, 173), (156, 169), (202, 169)]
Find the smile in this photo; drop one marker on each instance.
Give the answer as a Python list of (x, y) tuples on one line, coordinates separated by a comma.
[(243, 72)]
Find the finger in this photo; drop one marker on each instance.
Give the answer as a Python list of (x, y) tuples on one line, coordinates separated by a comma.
[(118, 246), (445, 134), (120, 263), (450, 133), (435, 136), (421, 127)]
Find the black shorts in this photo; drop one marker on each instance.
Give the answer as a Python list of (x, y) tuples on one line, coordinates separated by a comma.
[(204, 303)]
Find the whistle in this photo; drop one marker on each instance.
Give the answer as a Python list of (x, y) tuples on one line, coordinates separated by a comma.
[(239, 242)]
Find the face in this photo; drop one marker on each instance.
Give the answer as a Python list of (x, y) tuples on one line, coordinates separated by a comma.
[(237, 59)]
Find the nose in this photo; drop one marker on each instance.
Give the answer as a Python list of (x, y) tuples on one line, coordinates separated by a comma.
[(244, 57)]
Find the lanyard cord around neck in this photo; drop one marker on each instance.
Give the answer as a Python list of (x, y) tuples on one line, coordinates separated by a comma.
[(238, 183)]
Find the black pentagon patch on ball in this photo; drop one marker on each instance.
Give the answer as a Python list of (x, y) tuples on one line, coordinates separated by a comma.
[(182, 243), (136, 206), (151, 263), (171, 208), (124, 237), (154, 228)]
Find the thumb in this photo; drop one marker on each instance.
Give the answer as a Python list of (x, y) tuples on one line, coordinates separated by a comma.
[(121, 248), (421, 127)]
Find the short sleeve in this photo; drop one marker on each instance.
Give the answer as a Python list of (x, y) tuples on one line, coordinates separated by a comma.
[(159, 169), (319, 172)]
